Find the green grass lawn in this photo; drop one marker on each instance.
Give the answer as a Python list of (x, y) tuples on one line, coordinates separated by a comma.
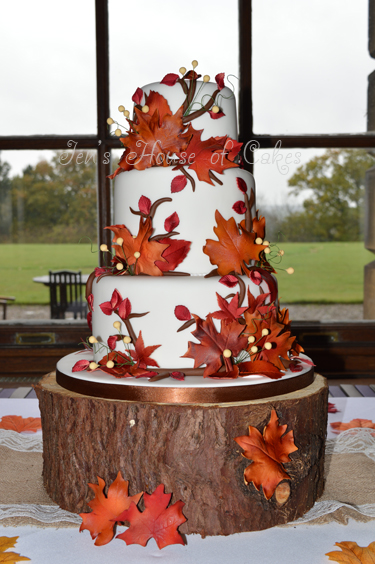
[(324, 272)]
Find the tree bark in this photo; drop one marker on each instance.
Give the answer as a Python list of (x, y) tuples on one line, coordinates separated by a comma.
[(188, 448)]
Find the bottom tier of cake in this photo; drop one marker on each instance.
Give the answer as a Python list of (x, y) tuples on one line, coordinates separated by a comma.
[(191, 449)]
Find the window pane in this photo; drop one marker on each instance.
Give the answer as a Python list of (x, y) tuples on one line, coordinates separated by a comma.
[(48, 67), (170, 36), (310, 66), (320, 227), (47, 220)]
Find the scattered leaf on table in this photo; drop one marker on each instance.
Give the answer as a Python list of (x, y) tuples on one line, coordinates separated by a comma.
[(9, 557), (20, 424), (338, 426), (353, 554), (105, 510), (268, 453), (157, 521), (332, 407)]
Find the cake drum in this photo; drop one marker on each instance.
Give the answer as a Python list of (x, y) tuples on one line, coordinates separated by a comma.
[(194, 389)]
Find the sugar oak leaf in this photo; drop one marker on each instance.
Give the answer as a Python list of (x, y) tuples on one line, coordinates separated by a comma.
[(106, 509), (268, 453), (235, 249), (157, 521), (216, 349)]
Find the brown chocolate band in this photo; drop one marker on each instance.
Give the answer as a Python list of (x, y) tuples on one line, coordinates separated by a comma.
[(153, 394)]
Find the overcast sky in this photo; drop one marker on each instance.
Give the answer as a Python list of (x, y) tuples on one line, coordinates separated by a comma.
[(310, 65)]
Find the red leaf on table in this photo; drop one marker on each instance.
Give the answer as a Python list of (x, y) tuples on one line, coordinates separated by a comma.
[(137, 96), (239, 207), (81, 365), (178, 183), (174, 254), (157, 521), (144, 205), (220, 80), (216, 115), (268, 453), (142, 354), (241, 184), (20, 424), (106, 509), (182, 313), (171, 222), (332, 408), (338, 426), (170, 79)]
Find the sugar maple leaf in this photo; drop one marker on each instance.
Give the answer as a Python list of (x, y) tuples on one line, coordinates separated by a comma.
[(228, 311), (268, 452), (156, 101), (10, 557), (281, 342), (157, 137), (150, 251), (338, 426), (207, 155), (141, 354), (157, 521), (235, 249), (106, 509), (20, 424), (124, 366), (351, 553), (212, 344)]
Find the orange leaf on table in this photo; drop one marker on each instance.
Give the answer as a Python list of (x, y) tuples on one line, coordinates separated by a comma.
[(10, 557), (338, 426), (352, 553), (268, 453), (106, 509), (213, 344), (149, 251), (157, 521), (235, 248), (20, 424)]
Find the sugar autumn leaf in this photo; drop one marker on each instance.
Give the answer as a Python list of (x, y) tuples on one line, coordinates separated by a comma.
[(10, 557), (157, 521), (149, 251), (174, 254), (235, 247), (213, 344), (351, 553), (20, 424), (106, 509), (338, 426), (228, 311), (268, 453), (141, 354)]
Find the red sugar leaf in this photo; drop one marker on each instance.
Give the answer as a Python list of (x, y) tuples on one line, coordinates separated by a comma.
[(241, 184), (178, 183), (174, 254), (116, 299), (171, 222), (177, 375), (99, 271), (89, 320), (144, 205), (137, 96), (182, 313), (239, 207), (220, 80), (229, 280), (81, 365), (255, 277), (124, 309), (170, 79), (332, 408), (295, 367), (218, 115), (90, 301), (112, 340)]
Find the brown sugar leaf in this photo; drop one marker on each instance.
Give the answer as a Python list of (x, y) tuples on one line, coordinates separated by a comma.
[(157, 521), (106, 509), (20, 424), (351, 553), (268, 453), (10, 557)]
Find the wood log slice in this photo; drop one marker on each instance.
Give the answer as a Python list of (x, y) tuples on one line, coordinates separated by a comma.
[(188, 448)]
